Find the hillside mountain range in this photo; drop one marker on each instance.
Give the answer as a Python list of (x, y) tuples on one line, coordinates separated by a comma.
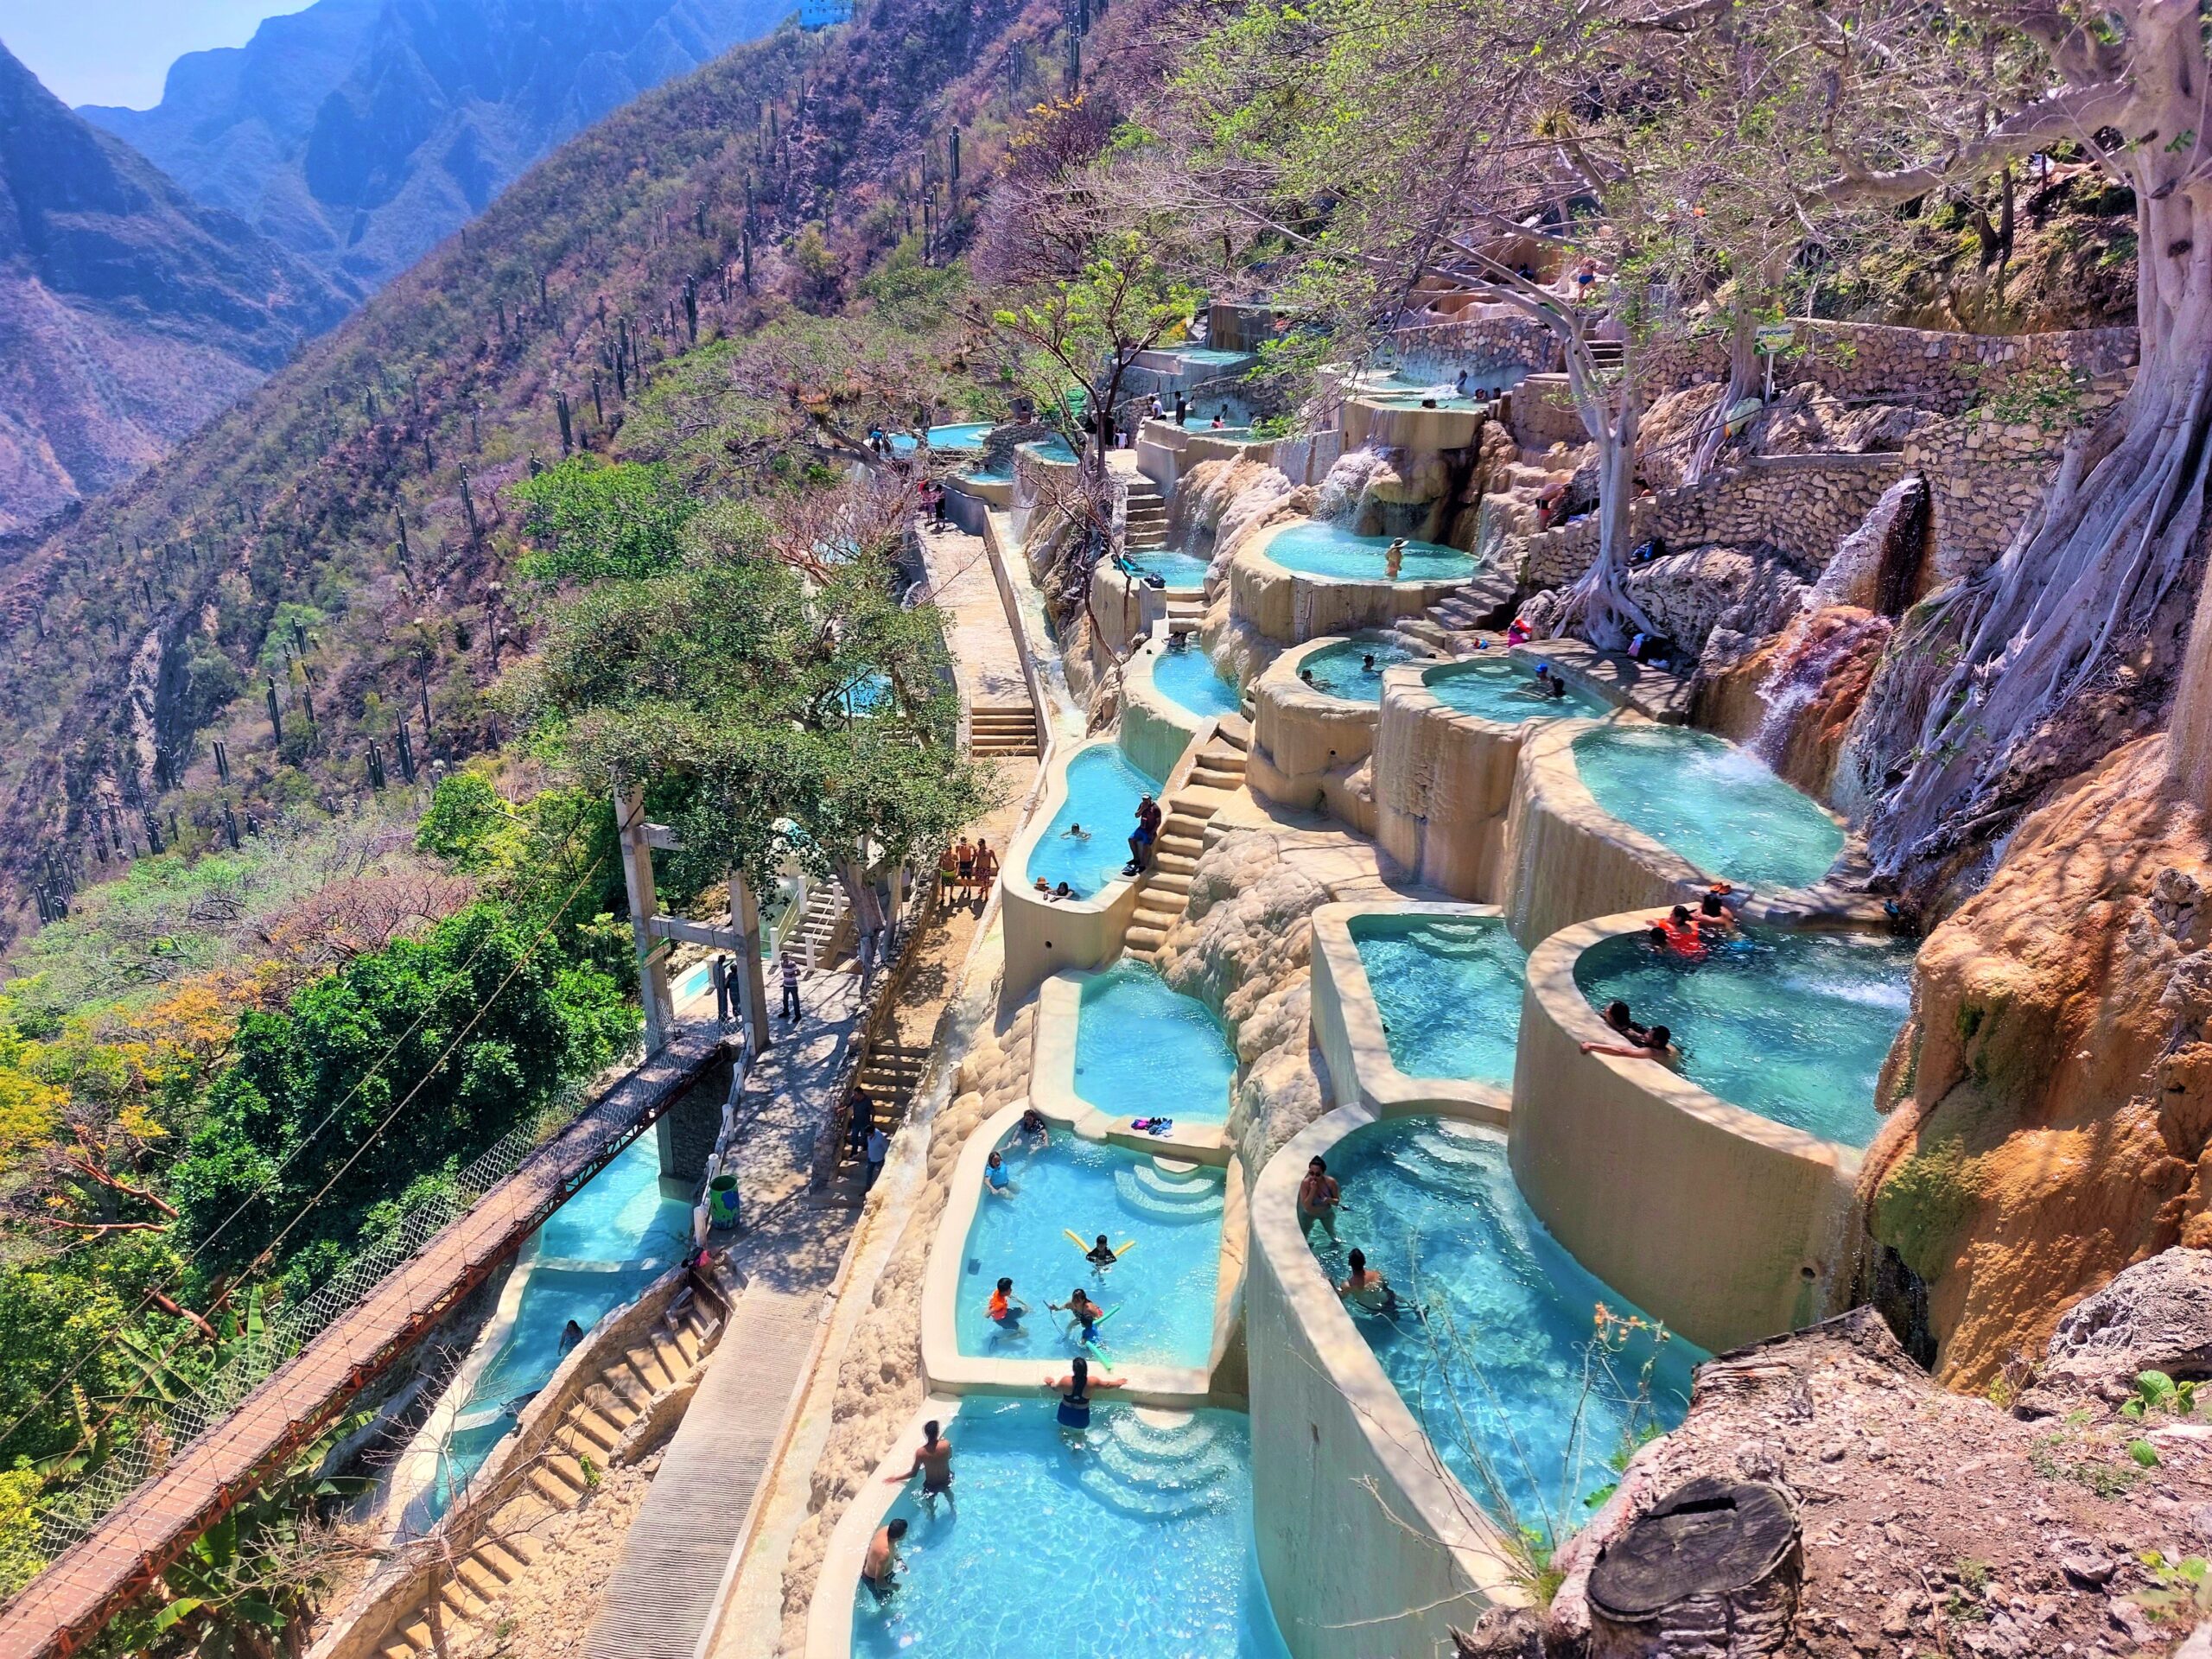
[(344, 525), (130, 314), (361, 133)]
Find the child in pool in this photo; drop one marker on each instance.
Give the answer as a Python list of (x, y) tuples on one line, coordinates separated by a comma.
[(1101, 1254), (1617, 1016), (1074, 1390), (1005, 1309), (1656, 1044), (996, 1177), (1083, 1309)]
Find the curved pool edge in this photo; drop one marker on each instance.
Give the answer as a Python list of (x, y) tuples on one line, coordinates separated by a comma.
[(1043, 937), (1052, 1082), (1567, 860), (946, 1370), (1334, 1562), (1443, 782), (838, 1580), (1305, 740), (1290, 607), (1348, 1024), (1151, 720), (1727, 1226)]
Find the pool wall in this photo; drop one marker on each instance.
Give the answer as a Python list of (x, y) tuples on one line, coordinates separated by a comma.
[(1369, 1544), (1125, 609), (1305, 742), (1043, 937), (1220, 1383), (1725, 1224), (1349, 1026), (1444, 785), (1371, 421), (1568, 858), (1165, 451), (1290, 608), (830, 1614), (1051, 1084)]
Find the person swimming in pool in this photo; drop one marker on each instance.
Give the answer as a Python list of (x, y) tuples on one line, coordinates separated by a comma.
[(1656, 1044), (1618, 1017), (1074, 1390), (1081, 1308), (1319, 1196), (1306, 675), (1101, 1254), (1367, 1288), (1677, 933), (879, 1570), (1075, 832), (1713, 915), (1005, 1309), (1033, 1127), (997, 1178), (1394, 558), (933, 1463), (1367, 662)]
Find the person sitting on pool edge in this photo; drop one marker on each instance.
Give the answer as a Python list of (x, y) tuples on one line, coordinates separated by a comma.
[(1655, 1044), (1074, 1390), (880, 1569), (1367, 1288), (1140, 839), (933, 1462), (997, 1178), (1101, 1254), (1080, 1308), (1005, 1309)]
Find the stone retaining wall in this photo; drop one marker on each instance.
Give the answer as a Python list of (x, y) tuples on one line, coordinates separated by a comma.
[(1986, 474), (1803, 504)]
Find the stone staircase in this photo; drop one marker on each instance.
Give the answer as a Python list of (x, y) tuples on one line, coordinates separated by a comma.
[(580, 1448), (1185, 610), (1164, 888), (1147, 516), (1008, 729), (1483, 602)]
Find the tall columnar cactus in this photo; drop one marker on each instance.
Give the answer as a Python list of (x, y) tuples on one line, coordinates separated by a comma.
[(952, 166), (406, 749), (598, 409), (691, 308), (376, 767), (230, 826), (468, 512), (222, 762), (276, 716), (561, 410)]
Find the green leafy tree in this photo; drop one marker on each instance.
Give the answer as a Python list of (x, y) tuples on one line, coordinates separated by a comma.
[(587, 519)]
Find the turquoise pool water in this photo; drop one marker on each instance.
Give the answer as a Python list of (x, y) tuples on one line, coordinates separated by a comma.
[(1794, 1025), (1188, 676), (1503, 1373), (1055, 450), (1448, 988), (1159, 1302), (1503, 689), (1718, 806), (1144, 1051), (1341, 669), (596, 1253), (1131, 1538), (1103, 789), (1314, 549), (868, 694), (1184, 573), (1210, 357), (967, 435)]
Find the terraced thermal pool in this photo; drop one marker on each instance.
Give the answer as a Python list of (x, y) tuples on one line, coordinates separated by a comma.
[(1793, 1025), (964, 435), (1315, 549), (1104, 788), (1448, 988), (1504, 690), (1189, 678), (1184, 573), (1719, 807), (597, 1252), (1159, 1303), (1352, 669), (1142, 1050), (1131, 1538), (1523, 1387)]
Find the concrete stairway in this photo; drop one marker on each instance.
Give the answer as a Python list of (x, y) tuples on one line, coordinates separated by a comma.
[(822, 924), (1147, 516), (1166, 887), (1185, 609), (1449, 625), (580, 1448), (1008, 729)]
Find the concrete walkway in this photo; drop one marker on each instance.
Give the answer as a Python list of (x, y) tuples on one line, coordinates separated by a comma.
[(962, 586)]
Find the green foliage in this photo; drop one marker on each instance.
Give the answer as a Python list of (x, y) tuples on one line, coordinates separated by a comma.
[(2156, 1392), (2180, 1593), (467, 824), (56, 1308), (587, 520), (19, 1561), (457, 1080)]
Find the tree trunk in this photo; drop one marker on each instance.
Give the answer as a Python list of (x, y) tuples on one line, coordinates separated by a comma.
[(1743, 375), (2066, 612), (1712, 1570), (1598, 602)]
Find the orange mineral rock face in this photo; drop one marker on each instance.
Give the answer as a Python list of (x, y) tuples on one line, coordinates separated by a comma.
[(2057, 1077)]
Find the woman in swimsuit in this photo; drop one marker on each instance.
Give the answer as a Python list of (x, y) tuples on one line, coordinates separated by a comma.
[(1074, 1390), (1082, 1308), (1656, 1044), (1033, 1127), (1318, 1198)]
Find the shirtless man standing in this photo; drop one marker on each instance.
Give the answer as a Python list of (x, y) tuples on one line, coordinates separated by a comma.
[(933, 1462)]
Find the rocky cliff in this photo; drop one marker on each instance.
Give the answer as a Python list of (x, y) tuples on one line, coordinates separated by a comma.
[(2056, 1075), (129, 313), (361, 133)]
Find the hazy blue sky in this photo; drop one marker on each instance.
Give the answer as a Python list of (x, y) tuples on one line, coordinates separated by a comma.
[(119, 51)]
